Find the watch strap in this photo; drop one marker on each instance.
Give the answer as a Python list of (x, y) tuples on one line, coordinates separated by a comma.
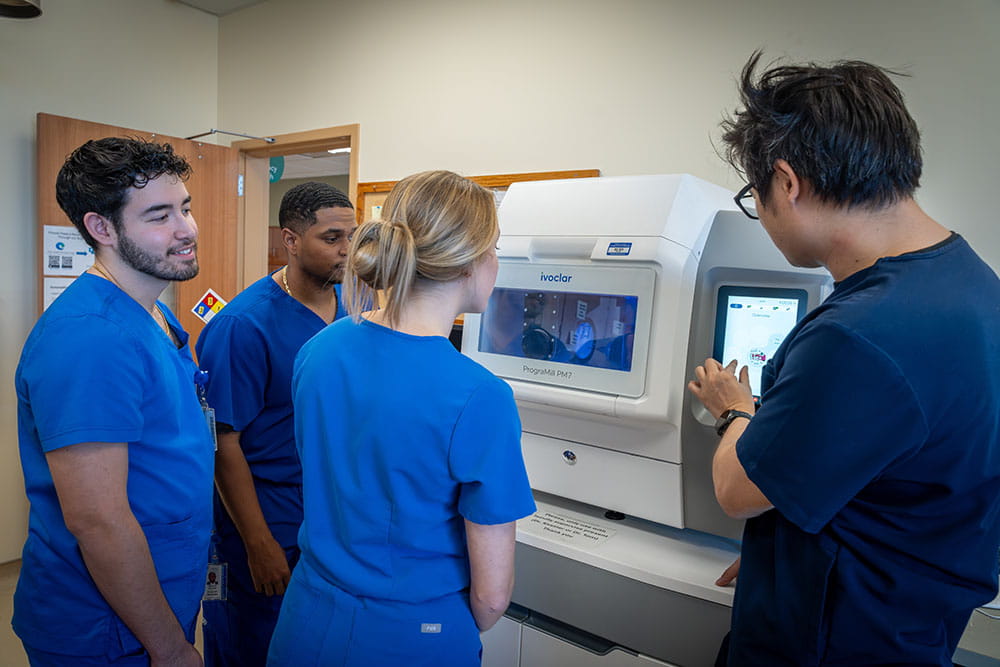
[(727, 417)]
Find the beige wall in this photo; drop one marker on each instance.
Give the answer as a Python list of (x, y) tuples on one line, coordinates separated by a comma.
[(629, 87), (145, 64)]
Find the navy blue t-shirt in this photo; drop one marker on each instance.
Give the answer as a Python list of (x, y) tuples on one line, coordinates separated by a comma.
[(878, 442)]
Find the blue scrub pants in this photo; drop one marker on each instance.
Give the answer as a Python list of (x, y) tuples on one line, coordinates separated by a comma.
[(320, 624), (237, 630)]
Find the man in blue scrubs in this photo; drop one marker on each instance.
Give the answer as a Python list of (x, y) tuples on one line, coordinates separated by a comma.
[(248, 350), (870, 474), (115, 449)]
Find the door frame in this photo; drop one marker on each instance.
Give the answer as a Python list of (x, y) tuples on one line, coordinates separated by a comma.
[(255, 155)]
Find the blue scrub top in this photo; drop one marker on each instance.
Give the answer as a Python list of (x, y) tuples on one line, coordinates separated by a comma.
[(97, 368), (878, 442), (401, 438), (248, 349)]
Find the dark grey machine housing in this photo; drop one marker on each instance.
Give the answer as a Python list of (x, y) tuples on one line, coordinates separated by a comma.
[(737, 252)]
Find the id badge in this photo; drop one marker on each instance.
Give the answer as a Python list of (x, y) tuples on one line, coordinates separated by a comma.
[(209, 413), (215, 584)]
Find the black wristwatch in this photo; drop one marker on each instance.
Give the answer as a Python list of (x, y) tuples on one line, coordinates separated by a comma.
[(727, 417)]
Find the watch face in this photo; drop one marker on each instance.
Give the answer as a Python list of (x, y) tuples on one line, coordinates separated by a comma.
[(721, 421)]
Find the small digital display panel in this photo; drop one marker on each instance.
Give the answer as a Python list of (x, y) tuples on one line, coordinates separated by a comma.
[(594, 330), (751, 322)]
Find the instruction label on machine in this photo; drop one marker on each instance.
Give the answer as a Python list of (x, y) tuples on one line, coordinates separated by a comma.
[(567, 529)]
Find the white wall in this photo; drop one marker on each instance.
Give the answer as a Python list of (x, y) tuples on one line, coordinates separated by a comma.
[(143, 64), (631, 86)]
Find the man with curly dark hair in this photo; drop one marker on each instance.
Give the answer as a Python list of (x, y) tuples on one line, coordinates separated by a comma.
[(870, 474), (116, 453)]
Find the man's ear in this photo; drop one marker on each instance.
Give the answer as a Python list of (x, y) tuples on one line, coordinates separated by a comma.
[(100, 228), (786, 183), (290, 240)]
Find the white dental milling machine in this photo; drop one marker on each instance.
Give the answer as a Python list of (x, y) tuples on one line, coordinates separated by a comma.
[(610, 291)]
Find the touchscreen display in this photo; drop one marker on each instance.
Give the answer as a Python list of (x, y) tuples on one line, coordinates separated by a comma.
[(751, 322), (595, 330)]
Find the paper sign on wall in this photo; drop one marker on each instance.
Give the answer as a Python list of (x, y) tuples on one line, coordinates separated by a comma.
[(64, 252), (52, 288)]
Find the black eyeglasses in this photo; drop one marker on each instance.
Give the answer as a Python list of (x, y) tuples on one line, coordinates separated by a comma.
[(745, 195)]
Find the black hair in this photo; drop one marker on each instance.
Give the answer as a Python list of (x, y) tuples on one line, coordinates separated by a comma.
[(843, 128), (97, 176), (299, 205)]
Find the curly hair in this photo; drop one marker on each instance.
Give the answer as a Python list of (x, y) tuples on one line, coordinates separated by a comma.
[(843, 128), (97, 176)]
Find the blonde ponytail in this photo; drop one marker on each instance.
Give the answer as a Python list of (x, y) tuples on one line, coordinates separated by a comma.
[(382, 258), (436, 225)]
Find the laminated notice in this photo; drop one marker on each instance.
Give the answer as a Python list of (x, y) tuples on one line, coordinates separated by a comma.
[(566, 529)]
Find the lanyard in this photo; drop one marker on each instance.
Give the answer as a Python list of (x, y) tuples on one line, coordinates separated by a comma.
[(201, 383)]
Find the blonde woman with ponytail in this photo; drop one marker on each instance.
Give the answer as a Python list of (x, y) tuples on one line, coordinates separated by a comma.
[(412, 468)]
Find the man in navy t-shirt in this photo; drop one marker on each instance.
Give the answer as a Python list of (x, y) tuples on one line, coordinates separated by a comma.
[(870, 474)]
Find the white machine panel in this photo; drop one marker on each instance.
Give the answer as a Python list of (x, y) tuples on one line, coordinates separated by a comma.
[(539, 649), (575, 470), (664, 557), (502, 644)]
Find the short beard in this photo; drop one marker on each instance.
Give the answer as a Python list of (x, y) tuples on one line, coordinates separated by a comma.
[(144, 262), (320, 281)]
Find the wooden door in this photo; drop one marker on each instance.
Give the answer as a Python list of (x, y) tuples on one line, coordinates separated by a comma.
[(276, 256), (214, 200)]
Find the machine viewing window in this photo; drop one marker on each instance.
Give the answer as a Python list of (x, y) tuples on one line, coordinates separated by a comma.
[(751, 322), (595, 330)]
